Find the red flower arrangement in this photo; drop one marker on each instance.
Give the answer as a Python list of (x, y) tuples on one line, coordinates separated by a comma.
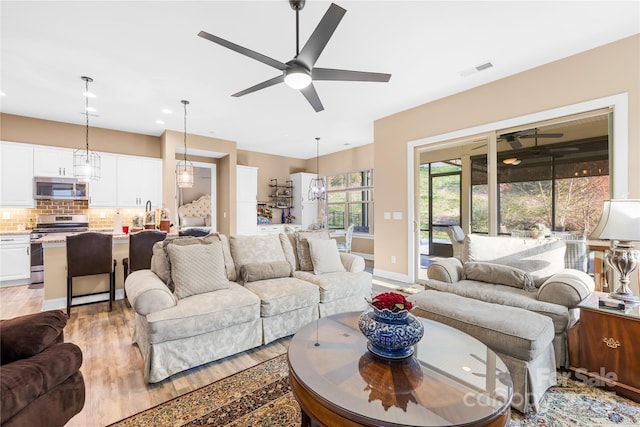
[(391, 301)]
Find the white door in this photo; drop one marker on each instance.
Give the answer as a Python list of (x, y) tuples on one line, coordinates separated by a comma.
[(15, 259), (246, 200)]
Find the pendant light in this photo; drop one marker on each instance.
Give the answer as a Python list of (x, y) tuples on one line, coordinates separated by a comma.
[(86, 163), (317, 186), (184, 168)]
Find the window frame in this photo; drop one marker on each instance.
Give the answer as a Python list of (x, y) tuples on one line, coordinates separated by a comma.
[(366, 203)]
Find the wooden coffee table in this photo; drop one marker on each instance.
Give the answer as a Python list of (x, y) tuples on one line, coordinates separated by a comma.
[(452, 379)]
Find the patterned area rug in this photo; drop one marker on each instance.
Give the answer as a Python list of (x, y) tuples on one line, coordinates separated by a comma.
[(261, 396)]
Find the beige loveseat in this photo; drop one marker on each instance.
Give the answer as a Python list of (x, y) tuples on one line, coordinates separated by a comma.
[(210, 297), (525, 273)]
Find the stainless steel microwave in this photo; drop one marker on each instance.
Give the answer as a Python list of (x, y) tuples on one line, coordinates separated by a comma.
[(45, 187)]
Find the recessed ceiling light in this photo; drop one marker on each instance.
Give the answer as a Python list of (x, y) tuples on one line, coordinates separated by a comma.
[(472, 70), (167, 111), (89, 94), (346, 144), (160, 122)]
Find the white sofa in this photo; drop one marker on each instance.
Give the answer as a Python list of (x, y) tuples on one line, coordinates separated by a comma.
[(262, 290), (529, 274)]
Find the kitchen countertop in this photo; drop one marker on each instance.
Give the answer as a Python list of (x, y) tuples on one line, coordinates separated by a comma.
[(15, 233), (61, 238)]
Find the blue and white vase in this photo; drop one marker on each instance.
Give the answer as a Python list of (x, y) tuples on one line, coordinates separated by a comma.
[(390, 335)]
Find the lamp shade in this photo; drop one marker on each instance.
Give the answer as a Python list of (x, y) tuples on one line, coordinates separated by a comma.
[(620, 220)]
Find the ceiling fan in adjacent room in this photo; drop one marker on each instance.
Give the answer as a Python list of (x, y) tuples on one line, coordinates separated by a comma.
[(299, 72)]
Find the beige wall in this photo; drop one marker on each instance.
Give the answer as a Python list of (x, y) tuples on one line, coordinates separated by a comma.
[(608, 70), (46, 132)]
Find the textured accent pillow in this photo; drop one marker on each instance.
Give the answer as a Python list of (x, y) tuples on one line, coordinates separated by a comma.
[(254, 272), (196, 269), (325, 256), (302, 247), (496, 273), (193, 221), (160, 262)]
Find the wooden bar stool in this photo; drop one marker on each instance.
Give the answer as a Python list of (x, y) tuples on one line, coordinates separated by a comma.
[(141, 250), (90, 254)]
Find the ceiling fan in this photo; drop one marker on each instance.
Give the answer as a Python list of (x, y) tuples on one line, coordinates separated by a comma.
[(299, 72), (514, 137)]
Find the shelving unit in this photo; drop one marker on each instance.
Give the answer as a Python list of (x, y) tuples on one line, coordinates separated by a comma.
[(282, 196)]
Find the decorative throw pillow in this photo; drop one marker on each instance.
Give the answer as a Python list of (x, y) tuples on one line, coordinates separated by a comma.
[(497, 273), (302, 246), (160, 262), (288, 242), (196, 269), (325, 256), (254, 272)]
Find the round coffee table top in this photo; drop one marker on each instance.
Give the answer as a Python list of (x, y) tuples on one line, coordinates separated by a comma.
[(452, 378)]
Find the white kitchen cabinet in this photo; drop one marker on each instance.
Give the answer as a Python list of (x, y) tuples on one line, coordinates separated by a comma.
[(139, 179), (53, 162), (16, 175), (103, 193), (246, 200), (305, 211), (15, 258)]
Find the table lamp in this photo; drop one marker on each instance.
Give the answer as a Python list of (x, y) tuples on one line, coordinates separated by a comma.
[(620, 221)]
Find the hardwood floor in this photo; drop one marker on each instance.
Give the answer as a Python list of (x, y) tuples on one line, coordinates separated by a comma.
[(112, 365)]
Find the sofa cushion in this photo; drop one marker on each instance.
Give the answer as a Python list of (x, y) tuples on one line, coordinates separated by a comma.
[(498, 273), (302, 247), (325, 256), (28, 335), (539, 257), (506, 295), (196, 269), (263, 270), (255, 249), (283, 295), (199, 314), (340, 285)]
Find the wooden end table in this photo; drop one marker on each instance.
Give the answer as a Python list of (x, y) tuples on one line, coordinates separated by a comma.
[(603, 347), (452, 379)]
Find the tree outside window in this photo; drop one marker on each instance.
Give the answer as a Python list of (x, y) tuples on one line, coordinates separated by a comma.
[(350, 201)]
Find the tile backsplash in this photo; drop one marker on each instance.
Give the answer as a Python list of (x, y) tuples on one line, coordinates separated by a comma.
[(12, 219)]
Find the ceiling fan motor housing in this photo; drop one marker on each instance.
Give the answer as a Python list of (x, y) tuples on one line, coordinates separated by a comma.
[(297, 4)]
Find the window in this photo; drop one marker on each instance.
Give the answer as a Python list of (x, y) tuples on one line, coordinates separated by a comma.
[(350, 201), (561, 186)]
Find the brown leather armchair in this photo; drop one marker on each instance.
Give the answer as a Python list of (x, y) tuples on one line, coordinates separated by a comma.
[(40, 379)]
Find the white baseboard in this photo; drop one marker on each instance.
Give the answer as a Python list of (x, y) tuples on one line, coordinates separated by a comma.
[(61, 303), (391, 275)]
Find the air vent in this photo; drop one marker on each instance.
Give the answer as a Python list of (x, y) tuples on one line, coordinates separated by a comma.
[(472, 70)]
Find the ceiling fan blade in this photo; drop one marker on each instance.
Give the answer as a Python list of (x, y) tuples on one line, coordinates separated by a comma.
[(541, 135), (515, 144), (310, 93), (348, 75), (321, 35), (265, 84), (244, 51)]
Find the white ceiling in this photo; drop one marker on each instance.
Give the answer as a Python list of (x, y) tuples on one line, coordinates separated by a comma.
[(145, 56)]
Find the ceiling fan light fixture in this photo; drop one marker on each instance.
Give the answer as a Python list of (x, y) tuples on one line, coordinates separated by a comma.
[(510, 160), (297, 77)]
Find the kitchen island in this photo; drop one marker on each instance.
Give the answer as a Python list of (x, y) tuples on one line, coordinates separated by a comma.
[(55, 273)]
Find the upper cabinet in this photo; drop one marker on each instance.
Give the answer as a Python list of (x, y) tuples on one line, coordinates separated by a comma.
[(103, 193), (139, 179), (16, 175), (53, 162)]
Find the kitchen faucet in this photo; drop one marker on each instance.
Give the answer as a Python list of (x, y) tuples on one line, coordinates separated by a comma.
[(147, 207)]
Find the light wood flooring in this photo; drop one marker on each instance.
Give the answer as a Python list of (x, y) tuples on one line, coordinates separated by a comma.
[(112, 365)]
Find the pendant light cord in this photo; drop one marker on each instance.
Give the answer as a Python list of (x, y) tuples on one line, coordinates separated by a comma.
[(86, 114), (184, 102), (318, 156)]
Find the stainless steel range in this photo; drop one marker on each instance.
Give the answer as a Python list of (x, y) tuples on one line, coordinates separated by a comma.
[(52, 224)]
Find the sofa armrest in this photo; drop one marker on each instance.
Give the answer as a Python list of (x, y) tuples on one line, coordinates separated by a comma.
[(28, 335), (352, 263), (567, 288), (447, 270), (147, 293)]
